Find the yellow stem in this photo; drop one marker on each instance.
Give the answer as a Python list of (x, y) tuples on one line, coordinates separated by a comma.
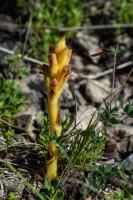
[(51, 161), (52, 153), (54, 116)]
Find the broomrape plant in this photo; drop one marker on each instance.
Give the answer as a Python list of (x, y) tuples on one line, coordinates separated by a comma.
[(55, 75)]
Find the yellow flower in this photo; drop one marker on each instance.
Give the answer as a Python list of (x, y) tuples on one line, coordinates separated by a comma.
[(55, 76)]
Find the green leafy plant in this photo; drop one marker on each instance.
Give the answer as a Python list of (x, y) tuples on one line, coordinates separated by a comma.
[(11, 196), (11, 100), (48, 17), (109, 115), (102, 175), (119, 194), (15, 65), (123, 10), (128, 108), (52, 191), (44, 135), (8, 135)]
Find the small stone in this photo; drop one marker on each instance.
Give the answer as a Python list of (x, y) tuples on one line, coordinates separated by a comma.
[(124, 39), (96, 91), (67, 100), (128, 130), (90, 42), (128, 121), (77, 63)]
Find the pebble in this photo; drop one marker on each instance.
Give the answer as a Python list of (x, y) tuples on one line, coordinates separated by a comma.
[(97, 90)]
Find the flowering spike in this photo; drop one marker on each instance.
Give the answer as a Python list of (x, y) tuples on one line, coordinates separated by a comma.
[(55, 76)]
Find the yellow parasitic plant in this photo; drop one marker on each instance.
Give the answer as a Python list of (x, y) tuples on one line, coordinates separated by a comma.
[(55, 75)]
